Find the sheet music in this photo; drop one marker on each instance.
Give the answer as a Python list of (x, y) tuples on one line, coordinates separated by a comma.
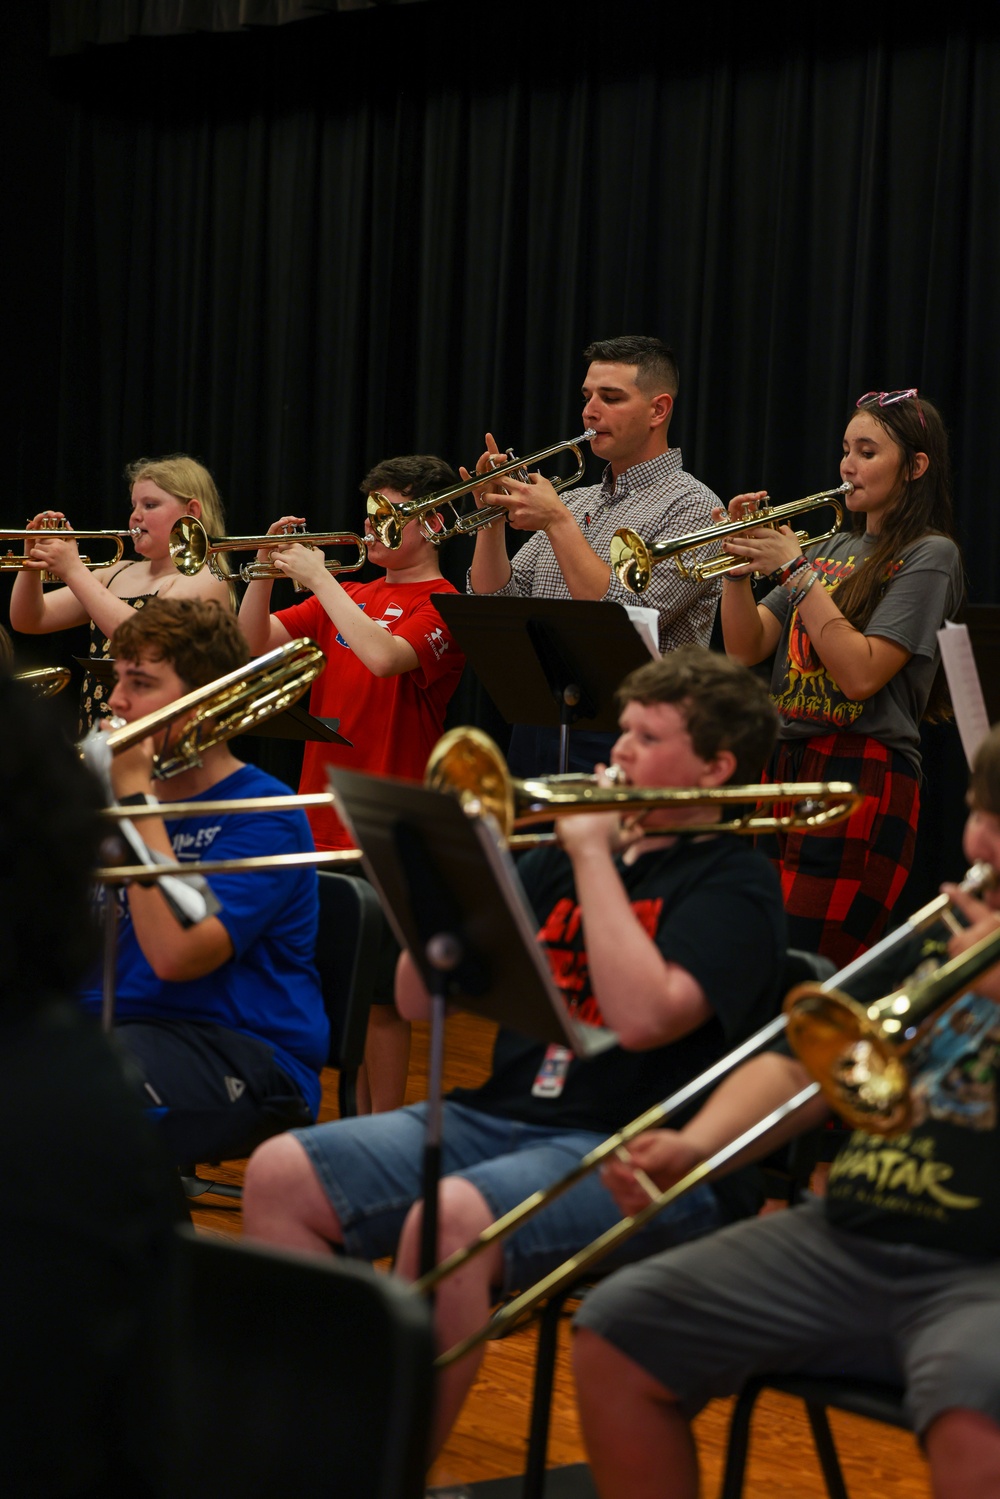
[(964, 685), (647, 626)]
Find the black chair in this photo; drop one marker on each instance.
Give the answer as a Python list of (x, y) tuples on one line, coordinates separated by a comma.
[(876, 1401), (352, 930), (293, 1375)]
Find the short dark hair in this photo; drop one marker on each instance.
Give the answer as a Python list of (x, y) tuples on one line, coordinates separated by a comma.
[(724, 705), (49, 837), (198, 637), (414, 475), (984, 782), (655, 365)]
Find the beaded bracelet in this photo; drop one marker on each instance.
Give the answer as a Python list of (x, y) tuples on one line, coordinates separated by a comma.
[(802, 586)]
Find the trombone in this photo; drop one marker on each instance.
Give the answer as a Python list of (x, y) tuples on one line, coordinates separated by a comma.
[(925, 998), (633, 560), (230, 705), (467, 763), (44, 681), (388, 519), (191, 547), (10, 561)]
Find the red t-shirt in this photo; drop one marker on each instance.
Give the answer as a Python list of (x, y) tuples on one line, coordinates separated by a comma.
[(392, 722)]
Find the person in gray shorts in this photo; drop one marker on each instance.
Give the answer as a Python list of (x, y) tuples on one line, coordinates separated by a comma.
[(895, 1276)]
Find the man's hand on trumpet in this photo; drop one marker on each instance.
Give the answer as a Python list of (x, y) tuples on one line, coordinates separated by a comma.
[(491, 491)]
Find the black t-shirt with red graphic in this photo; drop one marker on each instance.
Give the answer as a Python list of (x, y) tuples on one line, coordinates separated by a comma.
[(713, 906)]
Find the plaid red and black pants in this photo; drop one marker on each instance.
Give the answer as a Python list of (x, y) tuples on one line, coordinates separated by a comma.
[(840, 883)]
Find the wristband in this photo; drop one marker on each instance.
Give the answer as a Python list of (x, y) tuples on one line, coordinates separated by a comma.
[(802, 587), (138, 799), (784, 574)]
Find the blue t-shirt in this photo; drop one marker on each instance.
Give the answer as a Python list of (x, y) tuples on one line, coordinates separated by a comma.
[(270, 987)]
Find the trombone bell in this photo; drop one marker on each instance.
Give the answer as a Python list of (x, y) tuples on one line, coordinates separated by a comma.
[(856, 1051)]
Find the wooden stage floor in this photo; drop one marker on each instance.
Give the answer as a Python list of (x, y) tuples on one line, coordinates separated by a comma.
[(489, 1439)]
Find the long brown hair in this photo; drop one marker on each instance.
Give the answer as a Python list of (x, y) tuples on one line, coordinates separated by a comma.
[(920, 506)]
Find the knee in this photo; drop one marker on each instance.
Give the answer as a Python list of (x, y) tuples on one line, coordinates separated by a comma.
[(463, 1214), (281, 1188), (963, 1449), (602, 1370)]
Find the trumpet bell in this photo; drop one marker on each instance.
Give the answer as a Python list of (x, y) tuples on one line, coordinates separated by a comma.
[(388, 519)]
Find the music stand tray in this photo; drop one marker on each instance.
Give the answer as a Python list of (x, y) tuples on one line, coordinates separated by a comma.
[(527, 652)]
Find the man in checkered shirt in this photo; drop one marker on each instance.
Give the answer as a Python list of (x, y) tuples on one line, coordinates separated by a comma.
[(628, 394)]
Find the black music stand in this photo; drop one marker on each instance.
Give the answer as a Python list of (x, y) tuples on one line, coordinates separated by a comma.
[(546, 661), (453, 898), (295, 722)]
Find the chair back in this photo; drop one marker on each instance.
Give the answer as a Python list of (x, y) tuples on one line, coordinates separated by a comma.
[(352, 930), (294, 1375)]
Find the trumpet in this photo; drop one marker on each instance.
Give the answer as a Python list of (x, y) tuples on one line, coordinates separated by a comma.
[(10, 561), (926, 997), (191, 547), (230, 705), (388, 519), (467, 763), (633, 560)]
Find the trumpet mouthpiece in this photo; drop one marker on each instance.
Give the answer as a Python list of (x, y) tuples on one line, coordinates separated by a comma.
[(590, 432), (847, 487)]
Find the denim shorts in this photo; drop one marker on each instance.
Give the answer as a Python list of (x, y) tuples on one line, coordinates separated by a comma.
[(370, 1169)]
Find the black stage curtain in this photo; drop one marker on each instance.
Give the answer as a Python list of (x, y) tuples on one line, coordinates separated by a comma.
[(293, 251), (77, 24)]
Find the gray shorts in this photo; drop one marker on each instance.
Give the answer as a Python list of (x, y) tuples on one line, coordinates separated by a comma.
[(789, 1293), (370, 1169)]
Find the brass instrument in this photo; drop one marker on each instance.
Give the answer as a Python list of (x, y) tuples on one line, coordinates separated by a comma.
[(120, 874), (230, 705), (388, 519), (633, 560), (468, 764), (925, 999), (44, 681), (857, 1051), (11, 562), (191, 547)]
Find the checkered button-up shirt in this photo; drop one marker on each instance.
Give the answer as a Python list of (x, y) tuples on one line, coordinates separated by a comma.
[(656, 499)]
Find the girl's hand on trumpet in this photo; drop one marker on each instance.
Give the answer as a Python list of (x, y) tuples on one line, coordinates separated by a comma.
[(45, 522), (661, 1155), (54, 552), (764, 550)]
